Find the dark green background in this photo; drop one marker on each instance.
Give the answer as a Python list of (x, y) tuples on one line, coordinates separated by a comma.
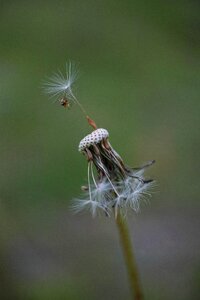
[(139, 78)]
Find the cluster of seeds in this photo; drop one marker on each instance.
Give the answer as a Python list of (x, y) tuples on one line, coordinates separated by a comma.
[(113, 186)]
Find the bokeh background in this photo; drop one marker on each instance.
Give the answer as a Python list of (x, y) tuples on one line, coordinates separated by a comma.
[(139, 78)]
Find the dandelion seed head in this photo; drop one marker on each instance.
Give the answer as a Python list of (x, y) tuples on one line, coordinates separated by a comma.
[(115, 186)]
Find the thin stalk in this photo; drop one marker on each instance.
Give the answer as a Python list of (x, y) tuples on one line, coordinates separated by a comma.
[(129, 258), (89, 120)]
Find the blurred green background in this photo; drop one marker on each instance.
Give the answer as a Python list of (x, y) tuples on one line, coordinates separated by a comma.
[(139, 78)]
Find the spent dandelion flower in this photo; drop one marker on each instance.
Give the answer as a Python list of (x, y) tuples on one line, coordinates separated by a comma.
[(122, 186), (112, 186)]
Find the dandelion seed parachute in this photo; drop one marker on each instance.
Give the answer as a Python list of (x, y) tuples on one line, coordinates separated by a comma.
[(115, 185), (59, 85)]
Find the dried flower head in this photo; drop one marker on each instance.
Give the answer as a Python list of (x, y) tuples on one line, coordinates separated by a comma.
[(111, 184)]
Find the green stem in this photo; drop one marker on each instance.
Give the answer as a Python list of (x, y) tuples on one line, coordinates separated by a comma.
[(129, 258)]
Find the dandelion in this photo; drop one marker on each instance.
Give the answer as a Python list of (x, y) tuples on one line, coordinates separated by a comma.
[(112, 185), (118, 186)]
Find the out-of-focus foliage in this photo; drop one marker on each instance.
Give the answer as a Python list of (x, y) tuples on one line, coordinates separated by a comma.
[(139, 78)]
